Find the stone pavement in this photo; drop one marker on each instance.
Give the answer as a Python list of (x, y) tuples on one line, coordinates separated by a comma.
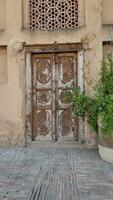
[(54, 174)]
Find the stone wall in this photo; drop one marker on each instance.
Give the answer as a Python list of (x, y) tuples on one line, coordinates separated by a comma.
[(15, 35)]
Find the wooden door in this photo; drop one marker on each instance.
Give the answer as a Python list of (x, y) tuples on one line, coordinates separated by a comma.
[(66, 73), (52, 117), (43, 97)]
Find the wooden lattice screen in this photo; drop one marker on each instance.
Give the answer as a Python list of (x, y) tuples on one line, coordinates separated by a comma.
[(53, 14)]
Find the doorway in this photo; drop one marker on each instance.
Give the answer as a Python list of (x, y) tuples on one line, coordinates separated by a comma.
[(52, 74), (50, 70)]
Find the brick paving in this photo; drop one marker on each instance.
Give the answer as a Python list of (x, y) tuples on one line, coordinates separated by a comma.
[(54, 174)]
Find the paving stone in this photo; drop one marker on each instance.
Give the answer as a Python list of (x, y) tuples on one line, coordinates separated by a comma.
[(54, 174)]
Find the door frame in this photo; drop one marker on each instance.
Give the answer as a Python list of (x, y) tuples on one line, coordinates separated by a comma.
[(42, 49)]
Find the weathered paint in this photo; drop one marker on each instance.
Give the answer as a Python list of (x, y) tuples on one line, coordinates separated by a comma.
[(52, 117), (42, 95), (66, 73), (28, 128), (80, 83)]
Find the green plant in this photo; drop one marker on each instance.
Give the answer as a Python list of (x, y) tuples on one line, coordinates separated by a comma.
[(78, 100), (83, 105), (99, 106), (104, 96)]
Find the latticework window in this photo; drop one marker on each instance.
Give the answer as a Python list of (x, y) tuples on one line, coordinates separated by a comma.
[(53, 14)]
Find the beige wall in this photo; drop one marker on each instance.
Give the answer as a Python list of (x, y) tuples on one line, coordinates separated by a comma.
[(91, 33), (2, 15), (107, 12)]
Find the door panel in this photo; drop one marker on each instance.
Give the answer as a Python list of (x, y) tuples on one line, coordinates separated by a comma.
[(43, 122), (66, 123), (43, 112), (52, 117), (66, 67)]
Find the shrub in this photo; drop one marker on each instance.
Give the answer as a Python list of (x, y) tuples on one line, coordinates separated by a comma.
[(99, 106)]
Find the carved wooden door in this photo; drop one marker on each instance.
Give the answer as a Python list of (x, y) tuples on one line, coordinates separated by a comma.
[(52, 117), (66, 124)]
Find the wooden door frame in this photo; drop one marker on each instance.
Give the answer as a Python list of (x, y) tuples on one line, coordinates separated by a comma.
[(41, 49)]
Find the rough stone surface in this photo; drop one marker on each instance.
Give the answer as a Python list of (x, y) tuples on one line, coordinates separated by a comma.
[(55, 174)]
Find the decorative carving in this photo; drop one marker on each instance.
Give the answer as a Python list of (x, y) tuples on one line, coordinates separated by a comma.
[(43, 122), (53, 14), (16, 46), (66, 121), (52, 116), (89, 41)]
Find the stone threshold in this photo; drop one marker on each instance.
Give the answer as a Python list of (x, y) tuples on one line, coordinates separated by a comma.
[(58, 144)]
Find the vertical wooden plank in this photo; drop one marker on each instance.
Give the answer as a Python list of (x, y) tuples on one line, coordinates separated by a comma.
[(34, 97), (54, 136), (28, 133), (76, 121), (43, 120), (80, 59), (66, 74)]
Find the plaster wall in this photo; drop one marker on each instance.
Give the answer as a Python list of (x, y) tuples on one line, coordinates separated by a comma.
[(2, 15), (107, 12), (16, 35)]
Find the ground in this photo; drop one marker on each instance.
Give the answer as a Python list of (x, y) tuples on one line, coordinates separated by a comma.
[(54, 174)]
